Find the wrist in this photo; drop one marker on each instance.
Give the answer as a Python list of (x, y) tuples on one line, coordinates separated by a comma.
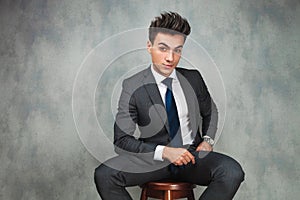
[(165, 152)]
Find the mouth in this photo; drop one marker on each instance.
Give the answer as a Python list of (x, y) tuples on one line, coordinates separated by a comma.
[(168, 66)]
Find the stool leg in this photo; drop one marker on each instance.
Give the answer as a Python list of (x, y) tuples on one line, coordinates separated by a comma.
[(168, 195), (144, 194)]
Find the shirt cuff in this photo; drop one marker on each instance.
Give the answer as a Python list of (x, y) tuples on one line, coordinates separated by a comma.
[(158, 153), (206, 136)]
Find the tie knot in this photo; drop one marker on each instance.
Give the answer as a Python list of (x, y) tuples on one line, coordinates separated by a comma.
[(168, 82)]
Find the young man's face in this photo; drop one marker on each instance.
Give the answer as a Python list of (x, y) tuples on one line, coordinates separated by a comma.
[(165, 52)]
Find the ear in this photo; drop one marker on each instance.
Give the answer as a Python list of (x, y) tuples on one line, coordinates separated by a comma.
[(149, 46)]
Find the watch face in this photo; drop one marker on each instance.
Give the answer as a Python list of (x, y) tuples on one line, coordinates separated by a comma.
[(209, 141)]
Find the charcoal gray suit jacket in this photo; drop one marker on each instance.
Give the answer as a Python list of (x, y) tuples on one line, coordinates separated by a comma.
[(141, 106)]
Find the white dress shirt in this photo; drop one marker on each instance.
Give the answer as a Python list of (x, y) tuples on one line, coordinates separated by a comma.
[(182, 109)]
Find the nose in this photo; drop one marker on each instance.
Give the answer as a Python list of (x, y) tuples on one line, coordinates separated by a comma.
[(169, 56)]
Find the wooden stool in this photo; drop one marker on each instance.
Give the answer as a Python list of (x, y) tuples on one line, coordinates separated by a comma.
[(168, 190)]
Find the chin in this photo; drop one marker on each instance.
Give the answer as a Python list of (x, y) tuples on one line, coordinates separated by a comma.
[(167, 72)]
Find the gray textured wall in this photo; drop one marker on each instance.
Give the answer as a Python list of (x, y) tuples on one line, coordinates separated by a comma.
[(254, 43)]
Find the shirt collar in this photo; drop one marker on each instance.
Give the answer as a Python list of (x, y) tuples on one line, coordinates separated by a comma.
[(159, 78)]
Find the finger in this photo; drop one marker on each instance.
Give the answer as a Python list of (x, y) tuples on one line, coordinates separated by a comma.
[(179, 163), (202, 148), (199, 148), (185, 161), (189, 157), (192, 158), (181, 160)]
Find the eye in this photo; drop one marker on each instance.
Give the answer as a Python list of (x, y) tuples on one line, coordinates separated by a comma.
[(163, 49), (178, 51)]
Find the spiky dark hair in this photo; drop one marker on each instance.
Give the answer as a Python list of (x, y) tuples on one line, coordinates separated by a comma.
[(169, 22)]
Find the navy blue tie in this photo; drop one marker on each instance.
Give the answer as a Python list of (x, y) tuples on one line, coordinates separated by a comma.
[(173, 120), (174, 125)]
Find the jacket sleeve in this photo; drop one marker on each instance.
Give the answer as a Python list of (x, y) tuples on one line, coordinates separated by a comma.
[(208, 109), (126, 123)]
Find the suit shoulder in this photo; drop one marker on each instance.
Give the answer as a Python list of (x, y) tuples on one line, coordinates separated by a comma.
[(135, 77), (189, 72), (136, 81), (194, 77)]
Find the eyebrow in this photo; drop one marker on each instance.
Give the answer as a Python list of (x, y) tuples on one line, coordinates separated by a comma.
[(162, 43)]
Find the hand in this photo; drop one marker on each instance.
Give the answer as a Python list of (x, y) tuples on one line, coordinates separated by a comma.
[(178, 156), (204, 146)]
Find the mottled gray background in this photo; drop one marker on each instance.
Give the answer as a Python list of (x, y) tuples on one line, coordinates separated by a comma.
[(254, 43)]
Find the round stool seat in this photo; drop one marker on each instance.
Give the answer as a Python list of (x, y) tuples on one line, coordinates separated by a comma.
[(168, 190)]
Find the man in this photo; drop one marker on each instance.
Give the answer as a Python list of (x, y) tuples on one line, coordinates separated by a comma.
[(177, 120)]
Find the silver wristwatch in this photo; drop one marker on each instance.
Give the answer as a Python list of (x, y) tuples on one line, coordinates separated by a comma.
[(208, 139)]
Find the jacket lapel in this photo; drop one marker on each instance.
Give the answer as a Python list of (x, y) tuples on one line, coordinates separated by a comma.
[(154, 94)]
